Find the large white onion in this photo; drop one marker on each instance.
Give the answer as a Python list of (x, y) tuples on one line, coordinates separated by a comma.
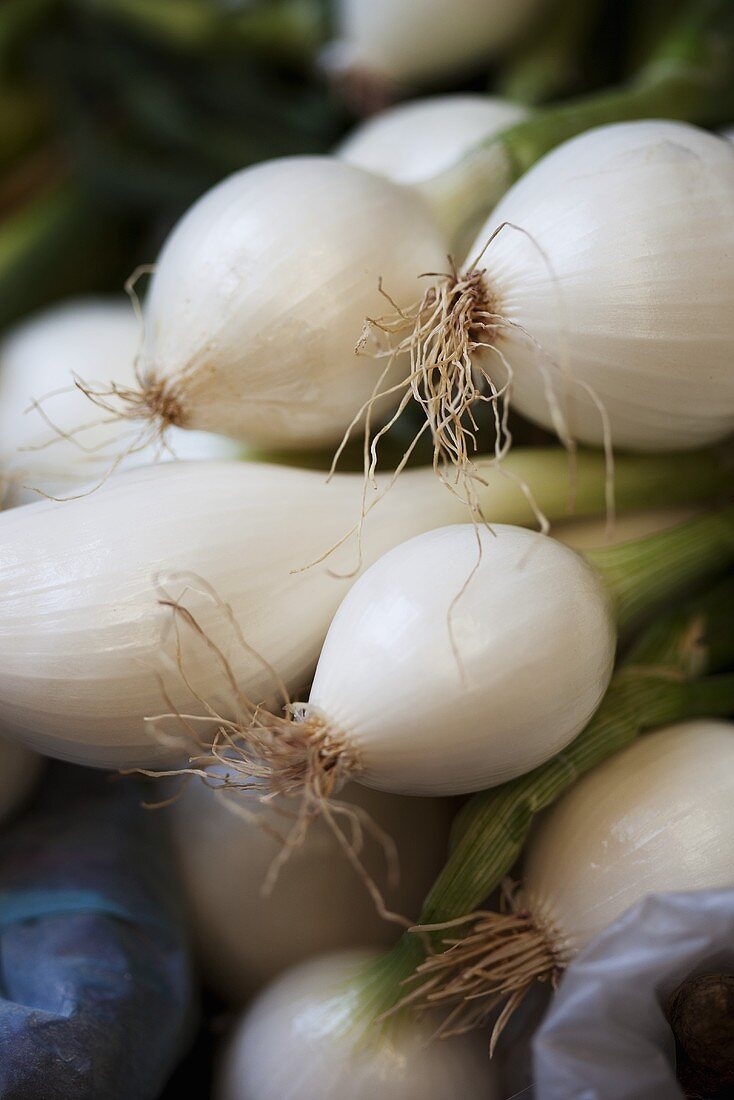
[(260, 294), (318, 904), (410, 41), (622, 270), (300, 1041), (657, 817), (437, 695), (97, 340)]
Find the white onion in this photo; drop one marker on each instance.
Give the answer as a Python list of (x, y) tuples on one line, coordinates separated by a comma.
[(299, 1041), (534, 635), (260, 294), (19, 770), (623, 273), (657, 817), (410, 41), (412, 143), (318, 903), (96, 340)]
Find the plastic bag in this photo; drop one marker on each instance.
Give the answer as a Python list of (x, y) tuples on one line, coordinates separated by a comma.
[(606, 1036), (95, 977)]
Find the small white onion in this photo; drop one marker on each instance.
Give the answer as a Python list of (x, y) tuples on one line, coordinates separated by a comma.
[(623, 273), (261, 291), (299, 1041), (657, 817), (318, 903), (534, 635), (410, 41), (414, 141), (96, 340), (19, 770)]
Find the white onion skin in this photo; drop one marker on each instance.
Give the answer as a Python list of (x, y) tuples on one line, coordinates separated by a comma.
[(19, 772), (536, 638), (637, 223), (96, 339), (318, 904), (412, 41), (81, 631), (414, 141), (261, 292), (298, 1042), (657, 817)]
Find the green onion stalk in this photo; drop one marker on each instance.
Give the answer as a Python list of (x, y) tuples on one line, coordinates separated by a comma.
[(689, 76), (671, 674)]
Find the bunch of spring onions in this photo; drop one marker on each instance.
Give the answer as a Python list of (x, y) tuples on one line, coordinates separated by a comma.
[(595, 869), (261, 292), (94, 637)]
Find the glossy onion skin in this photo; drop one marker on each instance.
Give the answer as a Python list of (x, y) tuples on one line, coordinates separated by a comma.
[(262, 289), (300, 1042), (658, 817), (623, 272), (535, 638)]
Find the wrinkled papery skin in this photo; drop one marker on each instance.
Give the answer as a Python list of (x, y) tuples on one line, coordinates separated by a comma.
[(535, 638), (296, 1043), (622, 269), (424, 39), (96, 990), (95, 340), (318, 903), (411, 142), (657, 817), (261, 293), (83, 637)]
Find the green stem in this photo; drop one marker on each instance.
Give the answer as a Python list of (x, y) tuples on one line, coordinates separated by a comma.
[(689, 77), (548, 63), (657, 684), (648, 572)]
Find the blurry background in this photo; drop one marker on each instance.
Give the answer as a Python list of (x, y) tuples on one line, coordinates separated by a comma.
[(116, 114)]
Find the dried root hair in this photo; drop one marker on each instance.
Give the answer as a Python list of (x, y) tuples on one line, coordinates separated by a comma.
[(488, 961), (295, 763)]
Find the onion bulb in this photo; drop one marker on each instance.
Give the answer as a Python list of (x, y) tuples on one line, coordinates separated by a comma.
[(414, 142), (404, 42), (318, 902), (657, 817), (260, 294), (297, 1042), (601, 283), (84, 637), (96, 340)]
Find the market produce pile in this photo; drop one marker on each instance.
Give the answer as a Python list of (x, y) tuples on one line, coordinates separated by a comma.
[(368, 563)]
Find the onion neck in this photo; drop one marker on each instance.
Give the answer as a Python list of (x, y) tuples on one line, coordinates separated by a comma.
[(689, 77), (649, 572)]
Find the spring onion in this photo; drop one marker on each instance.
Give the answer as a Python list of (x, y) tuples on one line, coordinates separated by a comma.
[(318, 902), (295, 1044), (83, 637), (93, 339)]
